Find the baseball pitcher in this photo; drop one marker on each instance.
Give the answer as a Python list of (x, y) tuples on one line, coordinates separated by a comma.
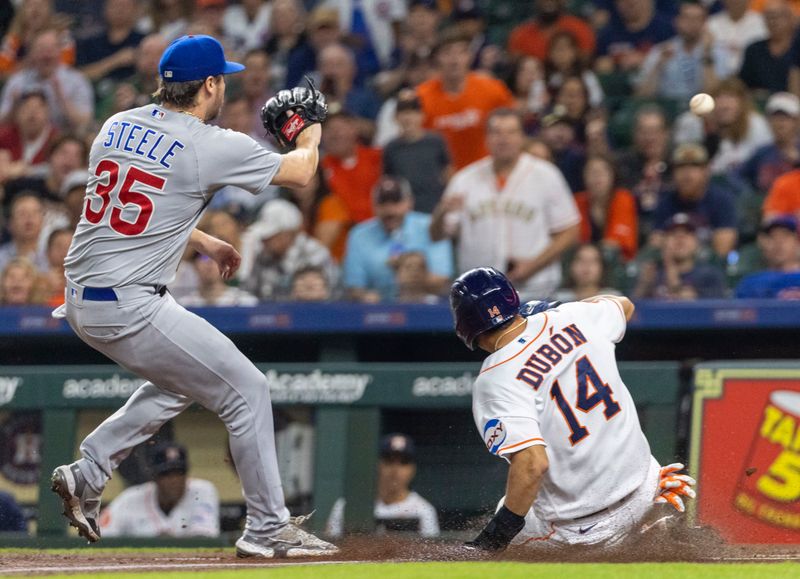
[(550, 401), (154, 169)]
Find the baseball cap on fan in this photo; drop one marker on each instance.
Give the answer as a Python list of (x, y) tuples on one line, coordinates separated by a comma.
[(397, 446), (195, 57), (391, 190), (783, 102), (168, 457), (788, 222), (275, 217), (684, 221)]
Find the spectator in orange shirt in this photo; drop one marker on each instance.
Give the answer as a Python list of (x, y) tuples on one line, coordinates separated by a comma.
[(759, 5), (33, 17), (351, 171), (608, 212), (457, 102), (533, 37), (784, 196), (325, 216)]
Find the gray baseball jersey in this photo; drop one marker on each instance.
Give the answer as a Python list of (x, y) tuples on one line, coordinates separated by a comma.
[(153, 171)]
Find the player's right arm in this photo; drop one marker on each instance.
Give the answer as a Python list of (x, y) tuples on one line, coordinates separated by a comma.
[(525, 475), (507, 418), (299, 165)]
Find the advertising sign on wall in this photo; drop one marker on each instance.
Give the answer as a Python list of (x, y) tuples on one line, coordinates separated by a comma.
[(746, 452)]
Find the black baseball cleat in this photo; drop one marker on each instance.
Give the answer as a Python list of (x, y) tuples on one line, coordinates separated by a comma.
[(81, 502), (289, 541)]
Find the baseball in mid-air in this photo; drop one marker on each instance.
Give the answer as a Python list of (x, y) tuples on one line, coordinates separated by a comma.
[(701, 104)]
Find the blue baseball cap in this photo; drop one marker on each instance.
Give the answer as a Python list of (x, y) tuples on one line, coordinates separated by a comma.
[(195, 57), (397, 445)]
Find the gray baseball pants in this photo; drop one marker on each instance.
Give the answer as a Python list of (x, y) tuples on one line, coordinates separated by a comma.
[(185, 359)]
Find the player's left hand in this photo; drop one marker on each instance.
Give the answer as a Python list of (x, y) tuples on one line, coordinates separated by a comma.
[(226, 257), (673, 486), (289, 112), (497, 535)]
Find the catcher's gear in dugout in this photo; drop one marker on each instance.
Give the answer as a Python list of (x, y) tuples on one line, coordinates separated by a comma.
[(481, 299), (289, 112)]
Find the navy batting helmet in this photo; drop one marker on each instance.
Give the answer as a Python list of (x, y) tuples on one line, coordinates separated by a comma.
[(481, 300)]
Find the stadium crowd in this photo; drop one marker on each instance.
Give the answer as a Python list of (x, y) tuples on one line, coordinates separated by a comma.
[(534, 136)]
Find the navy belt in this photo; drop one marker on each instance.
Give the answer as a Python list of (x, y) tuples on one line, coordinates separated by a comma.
[(107, 294), (99, 294)]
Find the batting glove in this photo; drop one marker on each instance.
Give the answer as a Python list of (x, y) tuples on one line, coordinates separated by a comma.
[(496, 536), (673, 486)]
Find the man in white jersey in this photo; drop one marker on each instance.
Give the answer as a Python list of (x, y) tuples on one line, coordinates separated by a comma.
[(397, 507), (172, 504), (550, 401), (510, 210), (153, 170)]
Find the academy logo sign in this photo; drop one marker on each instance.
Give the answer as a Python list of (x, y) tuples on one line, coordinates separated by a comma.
[(438, 386), (8, 387), (91, 388), (316, 387)]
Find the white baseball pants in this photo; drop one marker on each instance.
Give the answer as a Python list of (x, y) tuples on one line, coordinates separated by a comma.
[(606, 529)]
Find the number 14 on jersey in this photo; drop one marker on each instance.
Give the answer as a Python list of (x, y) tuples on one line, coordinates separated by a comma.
[(586, 375)]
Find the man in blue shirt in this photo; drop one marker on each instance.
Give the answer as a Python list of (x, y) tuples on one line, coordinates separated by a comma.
[(684, 65), (625, 41), (711, 206), (680, 274), (780, 247), (773, 160), (373, 246)]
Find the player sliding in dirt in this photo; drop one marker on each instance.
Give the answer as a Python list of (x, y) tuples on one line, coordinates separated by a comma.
[(549, 400)]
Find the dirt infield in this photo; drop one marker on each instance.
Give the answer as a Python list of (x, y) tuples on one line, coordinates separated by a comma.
[(689, 545)]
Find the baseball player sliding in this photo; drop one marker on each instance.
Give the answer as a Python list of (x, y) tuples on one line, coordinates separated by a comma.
[(154, 169), (549, 400)]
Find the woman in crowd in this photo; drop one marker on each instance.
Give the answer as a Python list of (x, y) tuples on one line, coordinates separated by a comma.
[(169, 18), (526, 80), (572, 98), (608, 212), (585, 276), (731, 133), (20, 284), (563, 61)]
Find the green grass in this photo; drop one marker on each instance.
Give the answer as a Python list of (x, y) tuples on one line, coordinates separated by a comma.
[(484, 570)]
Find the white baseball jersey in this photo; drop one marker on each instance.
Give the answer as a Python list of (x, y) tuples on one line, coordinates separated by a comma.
[(412, 514), (135, 513), (153, 171), (515, 221), (557, 385)]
